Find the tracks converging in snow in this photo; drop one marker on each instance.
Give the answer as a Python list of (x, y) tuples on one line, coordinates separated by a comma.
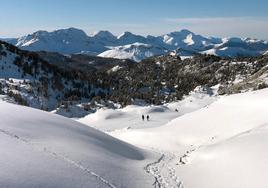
[(61, 157), (164, 173)]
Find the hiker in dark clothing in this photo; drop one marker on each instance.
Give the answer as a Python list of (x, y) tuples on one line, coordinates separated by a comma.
[(148, 117), (142, 117)]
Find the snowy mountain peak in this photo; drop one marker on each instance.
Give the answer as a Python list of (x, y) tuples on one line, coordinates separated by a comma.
[(186, 39), (104, 35), (64, 41), (73, 32), (39, 33), (126, 34), (182, 32), (70, 30), (60, 33), (186, 31), (130, 38), (72, 40)]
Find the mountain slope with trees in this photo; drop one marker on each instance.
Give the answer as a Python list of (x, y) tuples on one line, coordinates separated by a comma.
[(79, 84)]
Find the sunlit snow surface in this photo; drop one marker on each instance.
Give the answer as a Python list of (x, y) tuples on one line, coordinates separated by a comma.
[(40, 149), (203, 141), (220, 145)]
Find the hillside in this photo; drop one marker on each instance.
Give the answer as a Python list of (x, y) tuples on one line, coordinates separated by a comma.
[(135, 51), (39, 149), (50, 80), (78, 85), (201, 136), (35, 82), (133, 94), (221, 140)]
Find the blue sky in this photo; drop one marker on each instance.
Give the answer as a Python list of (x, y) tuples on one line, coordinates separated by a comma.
[(219, 17)]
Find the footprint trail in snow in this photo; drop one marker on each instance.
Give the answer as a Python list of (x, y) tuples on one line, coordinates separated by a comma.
[(164, 173), (61, 157)]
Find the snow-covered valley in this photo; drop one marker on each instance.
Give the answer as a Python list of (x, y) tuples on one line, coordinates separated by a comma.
[(194, 126), (40, 149), (133, 94), (223, 140), (184, 144)]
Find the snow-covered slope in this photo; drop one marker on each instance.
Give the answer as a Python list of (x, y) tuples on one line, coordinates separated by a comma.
[(231, 52), (187, 40), (221, 145), (130, 116), (135, 51), (233, 117), (130, 38), (64, 41), (77, 85), (235, 47), (105, 36), (238, 162), (69, 41), (39, 149), (30, 80)]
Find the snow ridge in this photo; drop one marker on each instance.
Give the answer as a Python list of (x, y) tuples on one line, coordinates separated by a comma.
[(61, 157)]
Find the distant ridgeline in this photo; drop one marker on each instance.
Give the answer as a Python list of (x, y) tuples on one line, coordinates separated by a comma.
[(51, 81), (136, 47)]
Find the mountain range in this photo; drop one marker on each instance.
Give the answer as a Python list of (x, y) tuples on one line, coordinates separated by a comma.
[(171, 148), (137, 47), (78, 84)]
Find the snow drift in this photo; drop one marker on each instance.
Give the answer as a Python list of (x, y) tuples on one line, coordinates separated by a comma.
[(221, 145), (39, 149)]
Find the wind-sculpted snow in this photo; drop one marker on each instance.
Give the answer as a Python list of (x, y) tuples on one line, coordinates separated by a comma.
[(130, 116), (39, 149), (221, 145), (203, 141)]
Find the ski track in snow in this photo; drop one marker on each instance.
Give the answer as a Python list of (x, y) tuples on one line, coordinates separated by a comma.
[(164, 174), (61, 157)]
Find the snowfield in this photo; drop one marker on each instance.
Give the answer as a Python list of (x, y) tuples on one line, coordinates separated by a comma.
[(203, 141), (220, 145), (136, 51), (40, 149), (130, 117)]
